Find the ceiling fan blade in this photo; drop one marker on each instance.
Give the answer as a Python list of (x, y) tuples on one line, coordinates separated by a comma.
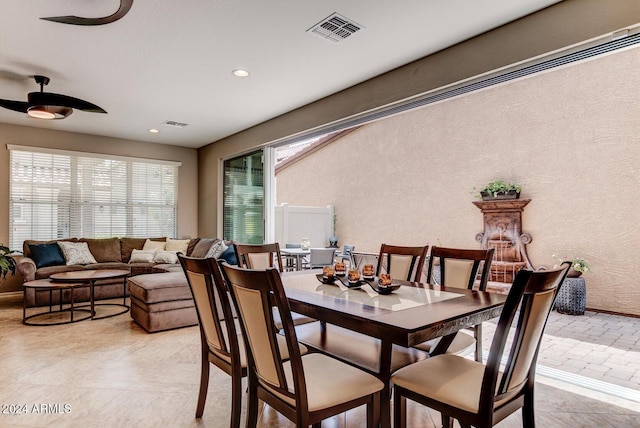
[(125, 5), (20, 106), (48, 98)]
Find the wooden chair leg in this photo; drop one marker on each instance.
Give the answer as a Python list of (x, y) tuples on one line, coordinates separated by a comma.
[(252, 402), (204, 386), (236, 399), (373, 411), (528, 414), (399, 409)]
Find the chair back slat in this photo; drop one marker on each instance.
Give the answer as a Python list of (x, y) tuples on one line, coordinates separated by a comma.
[(259, 256), (533, 293), (404, 263), (208, 304), (459, 267), (255, 294)]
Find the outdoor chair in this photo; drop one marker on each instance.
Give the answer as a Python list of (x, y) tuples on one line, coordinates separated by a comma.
[(459, 269), (320, 257), (307, 388), (482, 395), (405, 263)]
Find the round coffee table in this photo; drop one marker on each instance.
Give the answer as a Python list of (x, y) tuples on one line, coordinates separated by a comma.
[(90, 277), (46, 317)]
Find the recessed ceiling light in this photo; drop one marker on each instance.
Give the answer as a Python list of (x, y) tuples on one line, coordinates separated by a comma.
[(154, 131), (238, 72)]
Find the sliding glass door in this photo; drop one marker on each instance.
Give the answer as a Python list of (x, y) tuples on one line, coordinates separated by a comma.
[(243, 200)]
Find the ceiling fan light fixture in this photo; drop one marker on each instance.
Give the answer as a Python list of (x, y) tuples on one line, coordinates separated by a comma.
[(49, 112)]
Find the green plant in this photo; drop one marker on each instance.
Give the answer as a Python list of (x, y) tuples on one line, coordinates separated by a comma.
[(497, 187), (577, 263), (7, 263)]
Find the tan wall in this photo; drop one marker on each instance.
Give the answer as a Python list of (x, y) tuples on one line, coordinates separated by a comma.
[(37, 137), (570, 137), (559, 26)]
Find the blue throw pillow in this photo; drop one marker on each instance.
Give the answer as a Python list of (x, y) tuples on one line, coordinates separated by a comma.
[(229, 256), (46, 255)]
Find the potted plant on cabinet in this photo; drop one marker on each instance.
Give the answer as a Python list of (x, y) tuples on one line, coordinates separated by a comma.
[(7, 262), (499, 189)]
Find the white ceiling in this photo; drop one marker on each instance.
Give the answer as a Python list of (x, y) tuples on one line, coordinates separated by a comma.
[(172, 60)]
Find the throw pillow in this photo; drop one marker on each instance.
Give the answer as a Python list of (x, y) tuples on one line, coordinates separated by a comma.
[(216, 250), (166, 257), (154, 245), (178, 245), (142, 256), (46, 255), (229, 256), (76, 253)]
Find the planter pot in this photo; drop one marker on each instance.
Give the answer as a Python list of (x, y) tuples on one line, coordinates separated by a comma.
[(511, 194), (573, 274)]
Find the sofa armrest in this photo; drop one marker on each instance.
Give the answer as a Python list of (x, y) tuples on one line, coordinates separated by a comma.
[(27, 267)]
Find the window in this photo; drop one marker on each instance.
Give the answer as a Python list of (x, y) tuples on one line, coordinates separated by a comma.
[(243, 215), (58, 194)]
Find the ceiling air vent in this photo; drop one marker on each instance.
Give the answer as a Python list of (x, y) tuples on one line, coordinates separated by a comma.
[(174, 124), (335, 28)]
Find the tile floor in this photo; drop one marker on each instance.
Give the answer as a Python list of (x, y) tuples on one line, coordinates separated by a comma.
[(110, 373)]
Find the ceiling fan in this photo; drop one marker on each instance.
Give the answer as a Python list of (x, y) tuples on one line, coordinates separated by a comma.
[(46, 105)]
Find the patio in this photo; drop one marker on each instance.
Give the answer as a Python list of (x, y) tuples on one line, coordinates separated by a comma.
[(111, 373)]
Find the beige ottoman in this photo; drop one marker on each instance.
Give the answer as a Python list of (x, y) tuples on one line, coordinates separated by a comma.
[(161, 301)]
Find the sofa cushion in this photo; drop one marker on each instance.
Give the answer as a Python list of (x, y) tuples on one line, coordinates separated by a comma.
[(104, 250), (229, 256), (159, 287), (107, 265), (216, 250), (165, 257), (154, 245), (45, 272), (25, 245), (46, 255), (192, 244), (129, 244), (144, 256), (177, 245), (76, 253), (202, 247)]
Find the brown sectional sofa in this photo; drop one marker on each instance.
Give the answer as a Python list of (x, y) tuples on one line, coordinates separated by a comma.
[(160, 295)]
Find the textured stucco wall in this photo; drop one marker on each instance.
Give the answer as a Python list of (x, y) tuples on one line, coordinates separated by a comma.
[(570, 137)]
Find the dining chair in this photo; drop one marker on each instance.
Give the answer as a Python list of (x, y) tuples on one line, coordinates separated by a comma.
[(258, 256), (262, 257), (482, 395), (459, 269), (307, 388), (404, 263), (320, 257), (221, 344)]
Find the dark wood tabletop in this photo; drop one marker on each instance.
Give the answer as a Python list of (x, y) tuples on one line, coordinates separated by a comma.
[(410, 315)]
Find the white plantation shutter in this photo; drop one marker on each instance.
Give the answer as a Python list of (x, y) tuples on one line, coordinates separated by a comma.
[(58, 194)]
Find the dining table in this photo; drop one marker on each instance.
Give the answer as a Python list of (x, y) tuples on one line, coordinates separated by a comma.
[(411, 314)]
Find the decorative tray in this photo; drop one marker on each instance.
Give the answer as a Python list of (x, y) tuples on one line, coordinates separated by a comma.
[(326, 280), (383, 290)]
